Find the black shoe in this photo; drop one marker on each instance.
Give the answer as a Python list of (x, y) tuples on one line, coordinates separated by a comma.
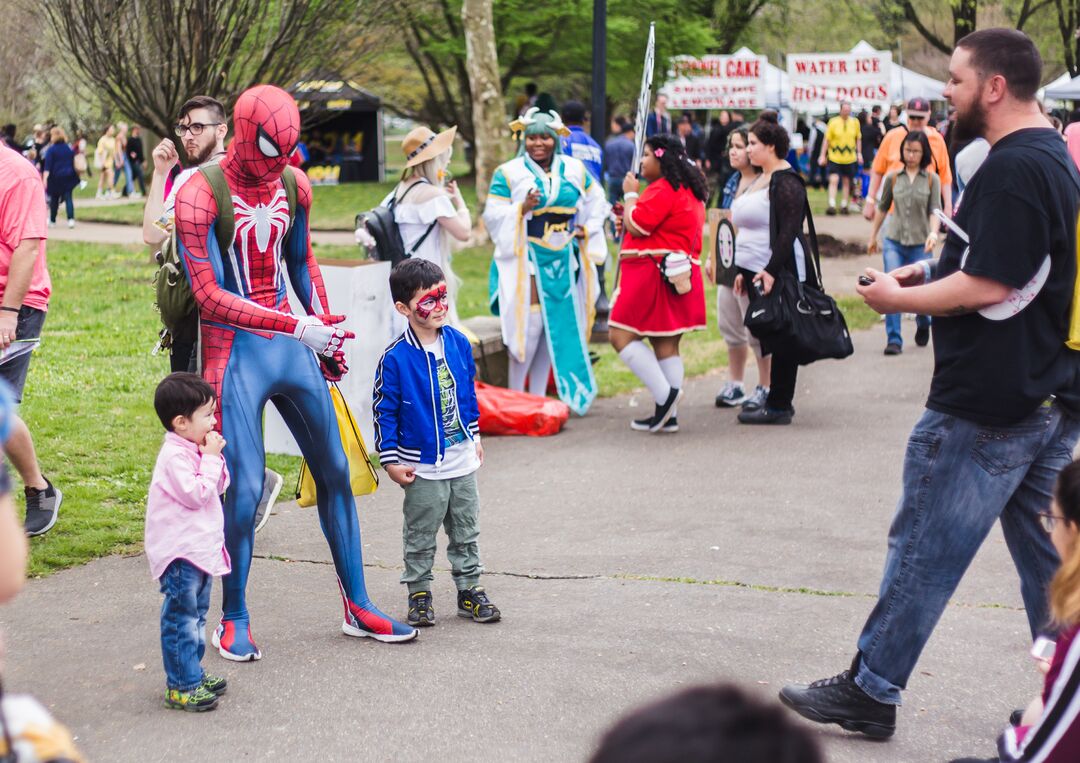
[(474, 602), (672, 425), (922, 336), (844, 211), (892, 348), (642, 425), (840, 700), (42, 508), (666, 411), (831, 211), (767, 415), (421, 612)]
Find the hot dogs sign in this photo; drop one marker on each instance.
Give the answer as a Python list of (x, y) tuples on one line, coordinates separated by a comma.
[(821, 81), (716, 82)]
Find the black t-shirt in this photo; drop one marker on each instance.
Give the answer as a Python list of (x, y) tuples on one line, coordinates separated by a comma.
[(1019, 211)]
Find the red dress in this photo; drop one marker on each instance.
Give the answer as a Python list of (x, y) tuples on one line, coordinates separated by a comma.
[(643, 303)]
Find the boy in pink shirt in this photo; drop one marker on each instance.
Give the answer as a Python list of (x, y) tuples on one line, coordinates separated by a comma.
[(185, 534)]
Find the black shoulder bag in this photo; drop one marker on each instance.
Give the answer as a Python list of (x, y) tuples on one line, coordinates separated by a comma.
[(795, 317)]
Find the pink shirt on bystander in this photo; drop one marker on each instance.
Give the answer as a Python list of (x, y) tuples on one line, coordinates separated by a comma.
[(184, 519), (23, 216)]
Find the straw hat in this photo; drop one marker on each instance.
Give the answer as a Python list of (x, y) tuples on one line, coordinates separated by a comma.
[(422, 144)]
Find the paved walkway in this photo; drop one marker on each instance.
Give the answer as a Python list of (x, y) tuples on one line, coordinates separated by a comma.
[(627, 565)]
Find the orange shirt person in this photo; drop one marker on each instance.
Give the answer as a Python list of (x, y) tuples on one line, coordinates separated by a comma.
[(888, 157)]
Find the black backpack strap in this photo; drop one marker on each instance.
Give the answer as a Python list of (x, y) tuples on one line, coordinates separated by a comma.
[(394, 200), (225, 228), (416, 246)]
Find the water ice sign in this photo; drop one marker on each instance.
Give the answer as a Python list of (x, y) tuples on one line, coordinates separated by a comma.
[(716, 82), (821, 81)]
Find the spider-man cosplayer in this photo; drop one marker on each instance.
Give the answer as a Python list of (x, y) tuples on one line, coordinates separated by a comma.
[(254, 350)]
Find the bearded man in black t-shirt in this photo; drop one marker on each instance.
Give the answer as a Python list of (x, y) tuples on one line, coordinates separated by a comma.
[(1002, 415)]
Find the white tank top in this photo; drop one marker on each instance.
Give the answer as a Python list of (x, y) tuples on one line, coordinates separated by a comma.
[(750, 216)]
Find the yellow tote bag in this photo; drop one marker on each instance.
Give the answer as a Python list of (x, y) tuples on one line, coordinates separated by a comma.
[(362, 475)]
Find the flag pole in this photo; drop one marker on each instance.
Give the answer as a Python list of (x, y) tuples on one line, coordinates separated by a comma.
[(644, 99)]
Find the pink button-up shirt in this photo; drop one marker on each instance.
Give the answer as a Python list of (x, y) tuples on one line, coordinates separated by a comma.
[(183, 511)]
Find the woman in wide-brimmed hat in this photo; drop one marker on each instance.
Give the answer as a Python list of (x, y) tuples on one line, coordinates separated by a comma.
[(545, 214), (428, 207)]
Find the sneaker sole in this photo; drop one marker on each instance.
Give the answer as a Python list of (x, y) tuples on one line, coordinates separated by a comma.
[(190, 708), (386, 638), (639, 427), (270, 503), (492, 619), (669, 429), (55, 515), (733, 403), (873, 730), (216, 641), (670, 412), (420, 623)]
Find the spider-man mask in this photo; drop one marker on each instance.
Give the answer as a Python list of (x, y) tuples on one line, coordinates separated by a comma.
[(267, 126)]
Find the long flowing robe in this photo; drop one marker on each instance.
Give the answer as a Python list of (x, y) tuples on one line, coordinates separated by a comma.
[(541, 243)]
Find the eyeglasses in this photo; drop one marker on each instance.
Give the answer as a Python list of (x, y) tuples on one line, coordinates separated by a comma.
[(195, 128), (1049, 521)]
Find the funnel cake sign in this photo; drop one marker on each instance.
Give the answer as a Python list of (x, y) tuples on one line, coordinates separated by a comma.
[(821, 81), (716, 82)]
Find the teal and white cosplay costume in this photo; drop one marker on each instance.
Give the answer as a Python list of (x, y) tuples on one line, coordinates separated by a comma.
[(540, 244)]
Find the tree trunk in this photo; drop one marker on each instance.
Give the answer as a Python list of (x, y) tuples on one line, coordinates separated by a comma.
[(488, 113)]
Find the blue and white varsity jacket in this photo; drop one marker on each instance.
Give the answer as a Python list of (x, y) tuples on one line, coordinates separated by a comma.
[(408, 414)]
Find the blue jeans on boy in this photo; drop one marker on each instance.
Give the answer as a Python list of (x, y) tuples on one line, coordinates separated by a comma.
[(959, 478), (897, 255), (183, 623)]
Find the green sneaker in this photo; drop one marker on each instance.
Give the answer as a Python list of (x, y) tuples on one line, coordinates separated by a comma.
[(198, 700), (214, 684)]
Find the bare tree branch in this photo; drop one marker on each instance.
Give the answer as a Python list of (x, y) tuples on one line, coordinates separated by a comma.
[(149, 56)]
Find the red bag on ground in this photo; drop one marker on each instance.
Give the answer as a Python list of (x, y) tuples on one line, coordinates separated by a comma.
[(504, 411)]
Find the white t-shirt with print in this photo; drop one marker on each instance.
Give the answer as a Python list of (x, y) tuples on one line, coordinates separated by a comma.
[(459, 456)]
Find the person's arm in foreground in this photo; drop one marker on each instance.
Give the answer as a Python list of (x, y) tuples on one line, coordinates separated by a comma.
[(13, 550)]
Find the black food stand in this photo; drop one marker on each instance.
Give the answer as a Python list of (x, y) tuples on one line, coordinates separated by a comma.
[(341, 126)]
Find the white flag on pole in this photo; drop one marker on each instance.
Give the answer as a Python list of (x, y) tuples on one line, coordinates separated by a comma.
[(644, 99)]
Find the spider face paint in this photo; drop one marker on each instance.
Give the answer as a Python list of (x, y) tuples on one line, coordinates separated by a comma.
[(428, 303), (267, 127)]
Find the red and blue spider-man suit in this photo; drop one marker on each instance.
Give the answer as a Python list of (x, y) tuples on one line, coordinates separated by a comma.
[(255, 350)]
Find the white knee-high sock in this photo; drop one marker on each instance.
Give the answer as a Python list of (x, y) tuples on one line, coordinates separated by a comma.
[(673, 371), (540, 368), (519, 370), (641, 360)]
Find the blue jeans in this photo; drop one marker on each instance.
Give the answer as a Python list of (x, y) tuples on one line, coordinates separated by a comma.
[(183, 623), (959, 478), (897, 255)]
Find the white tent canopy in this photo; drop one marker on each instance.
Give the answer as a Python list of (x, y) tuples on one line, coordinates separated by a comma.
[(904, 83), (1064, 88)]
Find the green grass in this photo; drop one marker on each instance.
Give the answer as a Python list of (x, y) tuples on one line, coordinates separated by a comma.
[(88, 397)]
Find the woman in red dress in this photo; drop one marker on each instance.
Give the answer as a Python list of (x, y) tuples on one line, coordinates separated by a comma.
[(660, 294)]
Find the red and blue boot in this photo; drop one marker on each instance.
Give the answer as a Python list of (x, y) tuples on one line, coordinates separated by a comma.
[(232, 639), (368, 622)]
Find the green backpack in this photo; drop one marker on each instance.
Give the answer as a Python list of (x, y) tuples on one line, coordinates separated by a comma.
[(174, 300)]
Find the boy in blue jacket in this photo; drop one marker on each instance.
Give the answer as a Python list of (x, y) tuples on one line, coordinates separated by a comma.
[(427, 432)]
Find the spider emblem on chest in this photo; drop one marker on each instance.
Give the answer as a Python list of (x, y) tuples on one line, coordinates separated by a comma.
[(267, 221)]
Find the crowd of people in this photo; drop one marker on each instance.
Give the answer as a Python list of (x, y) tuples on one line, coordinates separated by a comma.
[(996, 441)]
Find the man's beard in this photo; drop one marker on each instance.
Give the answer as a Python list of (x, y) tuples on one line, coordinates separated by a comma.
[(202, 156), (971, 124)]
